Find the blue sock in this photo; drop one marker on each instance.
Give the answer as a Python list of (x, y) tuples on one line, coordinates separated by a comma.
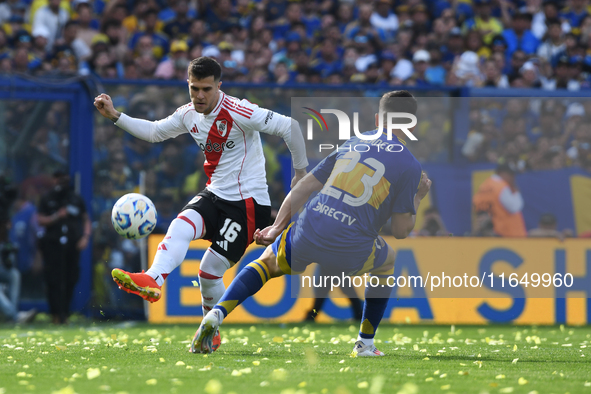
[(248, 281), (376, 300)]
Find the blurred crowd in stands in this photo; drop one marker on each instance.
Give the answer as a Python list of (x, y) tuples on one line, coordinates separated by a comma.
[(530, 134), (499, 43)]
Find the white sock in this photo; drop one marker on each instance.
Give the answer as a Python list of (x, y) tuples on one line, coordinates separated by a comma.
[(211, 282), (173, 249), (366, 341)]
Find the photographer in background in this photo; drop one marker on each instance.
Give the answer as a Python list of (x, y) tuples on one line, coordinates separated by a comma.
[(9, 275), (67, 232)]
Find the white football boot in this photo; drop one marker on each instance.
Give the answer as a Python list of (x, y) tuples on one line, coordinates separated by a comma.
[(362, 350)]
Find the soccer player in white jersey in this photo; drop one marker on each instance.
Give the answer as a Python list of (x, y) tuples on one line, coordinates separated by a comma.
[(235, 201)]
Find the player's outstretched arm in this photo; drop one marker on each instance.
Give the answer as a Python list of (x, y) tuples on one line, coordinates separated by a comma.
[(161, 130), (296, 198), (404, 223)]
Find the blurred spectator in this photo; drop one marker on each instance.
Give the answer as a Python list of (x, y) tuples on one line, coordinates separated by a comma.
[(432, 224), (23, 234), (52, 18), (483, 226), (383, 18), (562, 77), (554, 43), (547, 228), (501, 199), (519, 36), (180, 27), (11, 278), (87, 25), (178, 53), (483, 21)]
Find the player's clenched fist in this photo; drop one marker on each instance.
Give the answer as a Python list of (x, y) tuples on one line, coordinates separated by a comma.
[(424, 186), (104, 104)]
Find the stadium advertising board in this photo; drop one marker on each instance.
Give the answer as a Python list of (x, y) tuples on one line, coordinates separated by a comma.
[(519, 281)]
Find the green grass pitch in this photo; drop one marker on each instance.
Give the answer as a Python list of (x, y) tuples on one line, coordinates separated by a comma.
[(295, 359)]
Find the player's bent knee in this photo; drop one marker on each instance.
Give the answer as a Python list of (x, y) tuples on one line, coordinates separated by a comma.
[(268, 258)]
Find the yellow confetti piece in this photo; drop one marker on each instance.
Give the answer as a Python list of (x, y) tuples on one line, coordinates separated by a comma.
[(493, 384), (426, 359), (213, 387), (151, 382), (278, 339), (21, 374), (65, 390), (500, 376), (23, 382), (342, 362), (179, 363), (195, 283), (436, 372), (415, 347), (506, 390), (443, 375), (522, 381), (245, 370), (60, 347), (236, 373), (514, 348), (463, 373), (104, 387), (259, 350), (162, 360), (93, 373), (302, 384), (256, 363), (446, 387), (514, 361), (429, 379), (362, 385), (279, 374)]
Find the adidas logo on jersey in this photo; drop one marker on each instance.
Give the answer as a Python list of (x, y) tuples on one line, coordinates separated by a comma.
[(223, 244)]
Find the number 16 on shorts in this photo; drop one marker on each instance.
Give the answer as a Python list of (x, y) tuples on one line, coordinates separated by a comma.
[(230, 232)]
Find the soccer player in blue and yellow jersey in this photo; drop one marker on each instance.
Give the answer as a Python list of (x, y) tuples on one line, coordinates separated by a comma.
[(361, 185)]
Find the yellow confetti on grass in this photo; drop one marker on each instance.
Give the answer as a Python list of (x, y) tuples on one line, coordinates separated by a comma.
[(256, 363), (21, 375), (522, 381), (514, 361), (302, 385), (514, 348), (506, 390), (409, 388), (429, 379), (362, 385), (179, 363), (92, 373), (278, 339), (446, 387), (236, 373), (279, 374), (65, 390), (500, 376), (151, 382), (162, 360)]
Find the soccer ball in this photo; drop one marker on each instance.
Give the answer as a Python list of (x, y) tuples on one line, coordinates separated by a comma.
[(134, 216)]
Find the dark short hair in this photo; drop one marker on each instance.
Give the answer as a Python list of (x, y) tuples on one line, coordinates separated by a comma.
[(398, 101), (204, 67)]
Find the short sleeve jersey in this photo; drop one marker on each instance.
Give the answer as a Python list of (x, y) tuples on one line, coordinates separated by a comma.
[(365, 182)]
